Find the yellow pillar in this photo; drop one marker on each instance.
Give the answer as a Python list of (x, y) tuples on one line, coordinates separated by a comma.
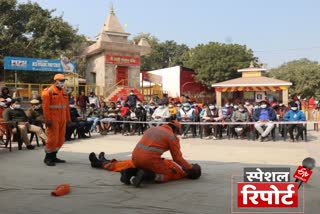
[(285, 95), (218, 98)]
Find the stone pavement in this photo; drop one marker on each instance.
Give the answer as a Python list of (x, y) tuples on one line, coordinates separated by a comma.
[(26, 183)]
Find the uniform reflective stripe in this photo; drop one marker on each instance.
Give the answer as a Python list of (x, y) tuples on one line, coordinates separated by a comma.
[(149, 148), (57, 106)]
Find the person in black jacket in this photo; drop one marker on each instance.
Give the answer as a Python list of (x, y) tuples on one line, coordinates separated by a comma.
[(264, 115), (77, 122), (132, 99)]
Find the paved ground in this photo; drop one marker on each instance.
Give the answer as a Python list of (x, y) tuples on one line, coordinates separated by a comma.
[(26, 183)]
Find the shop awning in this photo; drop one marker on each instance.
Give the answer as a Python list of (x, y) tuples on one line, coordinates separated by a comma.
[(251, 88)]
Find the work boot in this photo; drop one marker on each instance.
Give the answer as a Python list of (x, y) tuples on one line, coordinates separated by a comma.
[(57, 160), (49, 159), (127, 174), (143, 175), (102, 158), (30, 147), (95, 163)]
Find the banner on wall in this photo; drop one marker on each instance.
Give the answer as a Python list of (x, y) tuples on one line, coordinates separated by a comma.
[(34, 64), (122, 60), (157, 79)]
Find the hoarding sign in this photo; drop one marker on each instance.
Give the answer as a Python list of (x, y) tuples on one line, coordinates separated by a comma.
[(34, 64)]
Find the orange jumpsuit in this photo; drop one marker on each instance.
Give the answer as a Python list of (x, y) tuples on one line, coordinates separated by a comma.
[(56, 109), (154, 142), (117, 166)]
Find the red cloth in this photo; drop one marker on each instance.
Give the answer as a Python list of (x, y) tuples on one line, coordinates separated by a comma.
[(312, 103)]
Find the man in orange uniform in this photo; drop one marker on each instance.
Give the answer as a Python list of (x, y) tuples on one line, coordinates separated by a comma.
[(127, 167), (56, 115), (147, 155)]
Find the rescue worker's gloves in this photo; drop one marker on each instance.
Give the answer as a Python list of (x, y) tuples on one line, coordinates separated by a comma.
[(194, 172), (48, 123)]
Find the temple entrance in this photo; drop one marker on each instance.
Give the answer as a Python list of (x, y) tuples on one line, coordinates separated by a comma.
[(122, 75)]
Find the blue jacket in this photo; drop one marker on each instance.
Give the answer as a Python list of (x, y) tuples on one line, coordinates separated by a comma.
[(271, 113), (294, 116)]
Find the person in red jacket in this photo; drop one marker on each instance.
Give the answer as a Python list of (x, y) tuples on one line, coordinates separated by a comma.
[(147, 156), (56, 115)]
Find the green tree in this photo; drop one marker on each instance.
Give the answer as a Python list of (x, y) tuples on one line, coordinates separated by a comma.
[(304, 75), (217, 62), (27, 30), (164, 54)]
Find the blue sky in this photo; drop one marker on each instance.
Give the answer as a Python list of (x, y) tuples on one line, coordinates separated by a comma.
[(277, 30)]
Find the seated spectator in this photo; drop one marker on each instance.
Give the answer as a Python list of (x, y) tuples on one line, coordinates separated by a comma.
[(3, 106), (249, 108), (241, 115), (20, 121), (103, 112), (142, 116), (173, 111), (264, 115), (294, 115), (184, 115), (212, 114), (161, 114), (77, 123), (35, 113), (93, 115), (5, 94), (227, 112), (110, 116), (130, 116)]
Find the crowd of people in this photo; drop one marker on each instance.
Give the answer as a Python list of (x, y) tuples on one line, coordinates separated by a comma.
[(132, 116)]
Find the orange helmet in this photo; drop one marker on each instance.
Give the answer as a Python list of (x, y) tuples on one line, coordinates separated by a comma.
[(176, 124), (59, 77)]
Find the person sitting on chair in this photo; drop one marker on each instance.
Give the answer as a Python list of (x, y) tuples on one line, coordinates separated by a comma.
[(241, 115), (264, 116), (77, 123), (20, 120), (212, 114), (186, 114), (161, 114), (294, 115), (35, 113)]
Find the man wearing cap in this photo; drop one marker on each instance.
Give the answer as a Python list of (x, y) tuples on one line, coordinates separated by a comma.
[(147, 155), (56, 115), (35, 113), (20, 120)]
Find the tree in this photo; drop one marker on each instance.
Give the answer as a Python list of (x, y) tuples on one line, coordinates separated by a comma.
[(27, 30), (304, 75), (164, 54), (217, 62)]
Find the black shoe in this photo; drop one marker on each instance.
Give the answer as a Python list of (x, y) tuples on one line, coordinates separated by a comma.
[(48, 160), (30, 147), (141, 176), (127, 174), (102, 158), (95, 163), (55, 159)]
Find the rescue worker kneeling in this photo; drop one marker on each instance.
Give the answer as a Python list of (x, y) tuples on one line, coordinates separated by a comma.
[(129, 171), (147, 157)]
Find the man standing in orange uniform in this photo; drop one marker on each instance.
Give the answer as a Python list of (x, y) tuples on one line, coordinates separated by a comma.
[(147, 156), (56, 115)]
